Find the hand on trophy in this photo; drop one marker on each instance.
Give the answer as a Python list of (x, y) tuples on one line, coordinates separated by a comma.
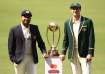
[(62, 57), (45, 55)]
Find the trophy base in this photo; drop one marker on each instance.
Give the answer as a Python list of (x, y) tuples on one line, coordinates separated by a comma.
[(53, 65), (53, 53)]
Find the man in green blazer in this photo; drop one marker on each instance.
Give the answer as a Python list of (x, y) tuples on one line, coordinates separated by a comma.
[(79, 40)]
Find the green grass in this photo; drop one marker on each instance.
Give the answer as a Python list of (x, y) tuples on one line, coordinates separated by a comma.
[(45, 11)]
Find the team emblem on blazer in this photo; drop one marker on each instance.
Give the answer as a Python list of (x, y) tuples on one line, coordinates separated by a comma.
[(84, 28)]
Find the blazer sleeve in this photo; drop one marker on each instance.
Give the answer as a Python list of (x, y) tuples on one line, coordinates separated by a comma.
[(65, 40), (91, 38), (11, 45), (40, 41)]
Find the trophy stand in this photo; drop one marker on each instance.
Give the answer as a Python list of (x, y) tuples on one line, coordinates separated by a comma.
[(53, 64)]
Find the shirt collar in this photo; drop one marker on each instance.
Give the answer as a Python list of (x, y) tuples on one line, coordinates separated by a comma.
[(23, 27), (77, 20)]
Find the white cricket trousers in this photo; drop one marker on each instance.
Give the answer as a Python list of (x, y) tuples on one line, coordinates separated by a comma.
[(27, 66), (80, 65)]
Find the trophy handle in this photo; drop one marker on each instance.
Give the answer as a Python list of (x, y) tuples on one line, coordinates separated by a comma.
[(58, 36), (47, 37)]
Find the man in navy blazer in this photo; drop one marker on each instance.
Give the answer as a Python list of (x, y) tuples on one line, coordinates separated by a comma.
[(79, 40), (22, 45)]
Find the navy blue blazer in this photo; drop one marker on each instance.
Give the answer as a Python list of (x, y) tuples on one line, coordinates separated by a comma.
[(16, 43)]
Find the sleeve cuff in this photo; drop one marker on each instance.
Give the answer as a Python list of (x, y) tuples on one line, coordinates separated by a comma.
[(91, 51)]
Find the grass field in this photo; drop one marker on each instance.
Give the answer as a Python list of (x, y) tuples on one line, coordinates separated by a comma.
[(45, 11)]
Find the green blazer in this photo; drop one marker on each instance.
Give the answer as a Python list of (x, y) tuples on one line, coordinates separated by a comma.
[(86, 38)]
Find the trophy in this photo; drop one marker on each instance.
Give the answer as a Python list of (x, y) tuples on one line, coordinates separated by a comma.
[(53, 27), (53, 64)]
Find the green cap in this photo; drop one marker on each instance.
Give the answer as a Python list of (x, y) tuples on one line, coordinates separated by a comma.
[(75, 5)]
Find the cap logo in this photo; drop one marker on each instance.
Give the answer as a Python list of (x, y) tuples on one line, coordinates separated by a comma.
[(27, 12)]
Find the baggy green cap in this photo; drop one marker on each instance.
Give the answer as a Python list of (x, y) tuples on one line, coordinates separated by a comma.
[(75, 5)]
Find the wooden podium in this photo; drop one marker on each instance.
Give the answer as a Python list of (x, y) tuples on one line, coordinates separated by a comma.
[(53, 65)]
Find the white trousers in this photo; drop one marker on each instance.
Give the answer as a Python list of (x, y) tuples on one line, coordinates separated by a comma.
[(80, 65), (27, 66)]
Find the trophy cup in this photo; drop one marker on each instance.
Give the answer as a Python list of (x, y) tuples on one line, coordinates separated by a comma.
[(53, 27), (53, 64)]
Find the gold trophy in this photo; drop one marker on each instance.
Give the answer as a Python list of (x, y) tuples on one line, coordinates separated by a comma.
[(53, 27)]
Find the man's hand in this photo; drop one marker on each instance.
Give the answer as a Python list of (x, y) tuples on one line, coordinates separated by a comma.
[(89, 58), (62, 57), (45, 55)]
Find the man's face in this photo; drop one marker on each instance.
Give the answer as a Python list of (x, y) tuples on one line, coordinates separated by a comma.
[(75, 11), (25, 20)]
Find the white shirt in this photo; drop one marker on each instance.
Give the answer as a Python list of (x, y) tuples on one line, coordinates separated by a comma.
[(26, 32), (27, 36), (76, 25)]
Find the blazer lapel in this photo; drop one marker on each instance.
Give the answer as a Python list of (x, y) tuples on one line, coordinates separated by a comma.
[(33, 34), (21, 32), (81, 24), (71, 26)]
